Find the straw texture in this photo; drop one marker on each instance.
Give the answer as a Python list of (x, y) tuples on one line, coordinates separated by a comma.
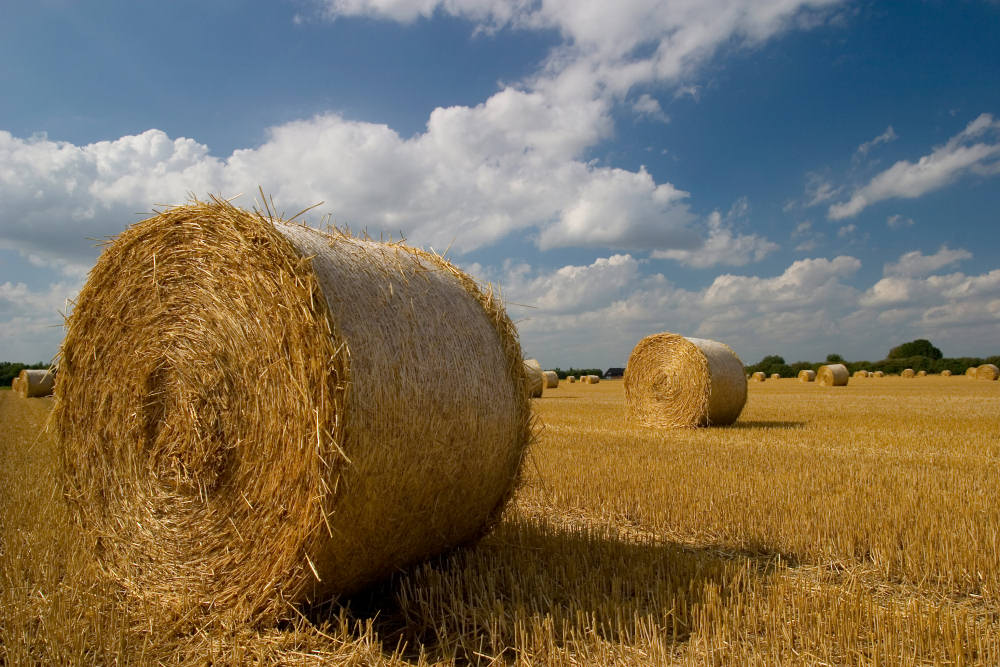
[(807, 375), (551, 379), (535, 378), (832, 375), (758, 376), (33, 383), (672, 381), (987, 372), (253, 413)]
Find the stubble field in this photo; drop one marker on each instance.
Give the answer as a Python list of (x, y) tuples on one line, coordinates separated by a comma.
[(843, 525)]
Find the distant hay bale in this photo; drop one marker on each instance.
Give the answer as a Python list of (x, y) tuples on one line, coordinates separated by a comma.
[(775, 376), (252, 413), (593, 379), (15, 385), (921, 374), (987, 372), (861, 374), (946, 373), (879, 374), (907, 373), (832, 375), (571, 378), (807, 375), (673, 381), (970, 372), (34, 383), (551, 379), (535, 377), (758, 376)]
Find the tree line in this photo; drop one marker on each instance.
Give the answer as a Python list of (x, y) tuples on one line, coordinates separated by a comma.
[(11, 369), (919, 354)]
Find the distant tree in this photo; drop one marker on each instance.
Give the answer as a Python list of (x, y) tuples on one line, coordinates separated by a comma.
[(834, 359), (772, 363), (920, 347)]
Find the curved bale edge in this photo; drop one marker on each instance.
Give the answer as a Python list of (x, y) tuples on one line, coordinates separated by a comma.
[(832, 375)]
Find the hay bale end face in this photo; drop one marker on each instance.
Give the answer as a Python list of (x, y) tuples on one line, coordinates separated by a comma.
[(970, 372), (807, 375), (673, 381), (832, 375), (280, 420), (758, 376), (551, 379), (987, 372), (907, 373), (535, 378)]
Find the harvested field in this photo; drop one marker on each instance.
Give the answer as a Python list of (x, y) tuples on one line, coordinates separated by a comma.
[(787, 538)]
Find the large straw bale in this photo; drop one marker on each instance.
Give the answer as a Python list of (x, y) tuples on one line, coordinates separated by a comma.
[(987, 372), (551, 379), (945, 373), (673, 381), (832, 375), (36, 382), (807, 375), (535, 377), (758, 376), (254, 413), (907, 373)]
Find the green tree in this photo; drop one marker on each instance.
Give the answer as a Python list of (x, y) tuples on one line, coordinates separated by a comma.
[(834, 359), (920, 347)]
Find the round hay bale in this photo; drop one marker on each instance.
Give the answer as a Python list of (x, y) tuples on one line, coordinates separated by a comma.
[(921, 374), (593, 379), (860, 374), (551, 379), (970, 372), (775, 376), (807, 375), (945, 373), (673, 381), (987, 372), (253, 413), (832, 375), (36, 382), (535, 377), (907, 373), (571, 378), (758, 376), (879, 374)]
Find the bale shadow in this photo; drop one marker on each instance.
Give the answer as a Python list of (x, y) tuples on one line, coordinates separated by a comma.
[(758, 423), (478, 601)]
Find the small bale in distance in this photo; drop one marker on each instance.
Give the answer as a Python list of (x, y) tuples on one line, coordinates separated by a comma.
[(832, 375), (571, 379), (970, 372), (593, 379), (807, 375), (35, 383), (945, 373), (758, 377), (907, 373), (672, 381), (921, 374), (535, 377), (551, 379), (987, 372), (879, 374), (860, 374), (775, 376)]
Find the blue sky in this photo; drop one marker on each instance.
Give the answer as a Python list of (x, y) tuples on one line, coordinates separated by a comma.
[(793, 177)]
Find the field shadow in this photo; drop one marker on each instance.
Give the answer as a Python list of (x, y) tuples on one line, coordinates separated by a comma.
[(558, 584), (765, 424)]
